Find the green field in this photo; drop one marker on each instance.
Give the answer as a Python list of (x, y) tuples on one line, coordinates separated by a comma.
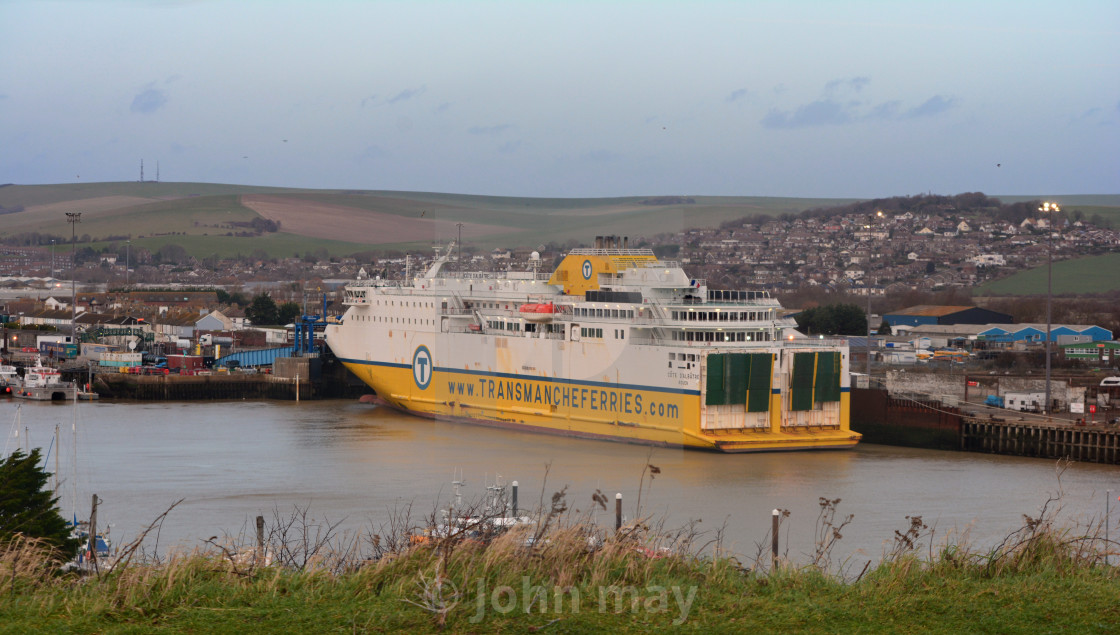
[(192, 215), (1094, 274)]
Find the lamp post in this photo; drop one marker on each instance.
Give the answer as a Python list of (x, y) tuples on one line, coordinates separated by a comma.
[(52, 257), (867, 287), (1052, 210), (73, 218), (127, 249)]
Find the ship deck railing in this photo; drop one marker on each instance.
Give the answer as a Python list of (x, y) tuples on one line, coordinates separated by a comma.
[(812, 343), (593, 251)]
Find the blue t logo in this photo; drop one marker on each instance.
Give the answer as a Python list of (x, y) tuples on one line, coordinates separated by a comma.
[(422, 367)]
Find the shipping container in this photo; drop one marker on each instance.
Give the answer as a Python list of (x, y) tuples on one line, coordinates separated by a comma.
[(58, 350), (120, 359), (94, 351), (187, 362)]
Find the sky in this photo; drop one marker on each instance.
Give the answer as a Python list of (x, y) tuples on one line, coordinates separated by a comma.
[(567, 99)]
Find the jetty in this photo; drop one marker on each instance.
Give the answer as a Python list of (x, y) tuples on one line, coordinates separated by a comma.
[(925, 422)]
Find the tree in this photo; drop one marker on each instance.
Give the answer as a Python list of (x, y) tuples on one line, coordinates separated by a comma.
[(26, 508), (287, 312), (884, 328), (833, 319), (172, 254), (262, 310)]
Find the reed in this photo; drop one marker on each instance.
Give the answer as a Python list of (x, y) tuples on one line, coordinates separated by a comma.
[(310, 576)]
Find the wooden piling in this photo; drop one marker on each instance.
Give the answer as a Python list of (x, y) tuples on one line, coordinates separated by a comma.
[(774, 538), (618, 511)]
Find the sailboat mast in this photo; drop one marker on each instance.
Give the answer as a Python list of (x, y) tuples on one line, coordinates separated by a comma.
[(74, 460), (57, 451)]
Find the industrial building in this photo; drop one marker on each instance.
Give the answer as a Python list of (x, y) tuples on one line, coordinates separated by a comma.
[(1106, 353), (925, 314)]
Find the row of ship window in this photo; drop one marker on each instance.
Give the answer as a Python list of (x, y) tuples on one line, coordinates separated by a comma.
[(603, 313), (720, 316), (619, 334), (503, 326), (378, 318), (418, 305), (721, 336)]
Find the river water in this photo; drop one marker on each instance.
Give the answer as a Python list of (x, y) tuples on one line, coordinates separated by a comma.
[(354, 463)]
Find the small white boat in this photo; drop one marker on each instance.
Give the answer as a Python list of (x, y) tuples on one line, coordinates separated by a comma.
[(43, 383), (9, 379)]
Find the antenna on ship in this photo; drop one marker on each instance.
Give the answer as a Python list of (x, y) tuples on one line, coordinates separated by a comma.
[(457, 484), (495, 493)]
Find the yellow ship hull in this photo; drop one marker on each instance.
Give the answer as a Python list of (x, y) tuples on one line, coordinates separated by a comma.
[(592, 410)]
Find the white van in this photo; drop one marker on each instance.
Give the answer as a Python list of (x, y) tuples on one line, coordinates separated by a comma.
[(1112, 382)]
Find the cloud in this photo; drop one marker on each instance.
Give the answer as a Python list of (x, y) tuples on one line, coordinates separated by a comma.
[(509, 147), (933, 106), (600, 156), (489, 130), (369, 100), (443, 107), (148, 101), (885, 111), (830, 110), (855, 84), (736, 95), (818, 113), (406, 94)]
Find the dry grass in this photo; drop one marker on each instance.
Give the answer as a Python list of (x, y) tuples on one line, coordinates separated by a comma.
[(419, 572)]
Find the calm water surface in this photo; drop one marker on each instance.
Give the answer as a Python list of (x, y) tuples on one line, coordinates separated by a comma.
[(231, 461)]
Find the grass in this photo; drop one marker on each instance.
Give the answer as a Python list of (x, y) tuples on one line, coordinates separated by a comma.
[(551, 573), (193, 210), (276, 245), (1093, 274)]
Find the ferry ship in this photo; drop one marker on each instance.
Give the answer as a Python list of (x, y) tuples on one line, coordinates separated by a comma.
[(614, 344)]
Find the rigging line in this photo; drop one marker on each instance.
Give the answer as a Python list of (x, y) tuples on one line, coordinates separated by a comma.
[(15, 428)]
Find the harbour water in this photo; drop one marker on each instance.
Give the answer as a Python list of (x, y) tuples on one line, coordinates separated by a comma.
[(351, 462)]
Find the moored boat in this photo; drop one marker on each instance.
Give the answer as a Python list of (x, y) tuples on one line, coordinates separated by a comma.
[(614, 344), (9, 379), (43, 383)]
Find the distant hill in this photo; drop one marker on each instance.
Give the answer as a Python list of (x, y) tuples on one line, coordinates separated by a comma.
[(216, 219), (213, 219)]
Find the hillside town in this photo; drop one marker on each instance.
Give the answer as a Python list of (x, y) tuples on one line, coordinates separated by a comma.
[(891, 251), (924, 243)]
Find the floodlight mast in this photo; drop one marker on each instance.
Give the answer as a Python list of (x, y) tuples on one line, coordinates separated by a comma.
[(73, 218)]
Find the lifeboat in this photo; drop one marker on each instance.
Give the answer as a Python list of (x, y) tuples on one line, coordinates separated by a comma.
[(538, 312)]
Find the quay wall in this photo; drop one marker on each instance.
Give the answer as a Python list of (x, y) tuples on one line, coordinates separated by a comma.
[(927, 423), (330, 380), (918, 423), (1093, 444), (199, 387)]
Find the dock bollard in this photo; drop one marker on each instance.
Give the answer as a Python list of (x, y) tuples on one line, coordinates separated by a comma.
[(774, 541), (618, 511), (514, 499)]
